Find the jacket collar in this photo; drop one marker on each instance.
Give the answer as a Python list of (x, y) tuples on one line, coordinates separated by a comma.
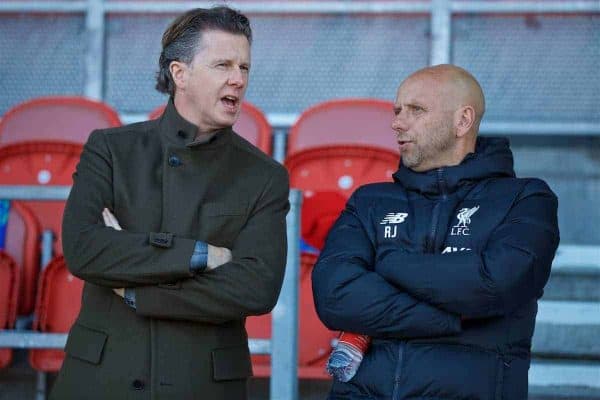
[(492, 158), (178, 131)]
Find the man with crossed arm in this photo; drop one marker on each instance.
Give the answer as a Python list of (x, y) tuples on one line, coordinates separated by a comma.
[(444, 266), (184, 218)]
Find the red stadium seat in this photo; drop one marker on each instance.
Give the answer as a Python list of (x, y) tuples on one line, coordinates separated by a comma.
[(340, 168), (57, 306), (9, 288), (319, 211), (39, 163), (344, 122), (327, 175), (252, 125), (23, 247), (314, 338), (59, 118)]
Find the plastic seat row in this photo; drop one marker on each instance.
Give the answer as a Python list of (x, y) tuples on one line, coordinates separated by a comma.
[(327, 170), (336, 122)]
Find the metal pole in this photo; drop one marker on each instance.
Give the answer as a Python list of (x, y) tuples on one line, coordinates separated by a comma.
[(287, 7), (32, 192), (279, 144), (440, 32), (536, 6), (40, 386), (47, 244), (284, 341), (94, 55)]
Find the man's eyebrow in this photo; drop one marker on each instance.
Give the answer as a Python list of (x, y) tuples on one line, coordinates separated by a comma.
[(410, 104), (228, 61)]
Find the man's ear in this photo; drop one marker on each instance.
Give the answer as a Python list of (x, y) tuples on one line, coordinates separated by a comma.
[(178, 72), (464, 119)]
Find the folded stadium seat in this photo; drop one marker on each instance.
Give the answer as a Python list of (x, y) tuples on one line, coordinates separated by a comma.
[(9, 288), (252, 125), (39, 164), (22, 247), (345, 121), (60, 118), (328, 175), (319, 211), (314, 339), (57, 306)]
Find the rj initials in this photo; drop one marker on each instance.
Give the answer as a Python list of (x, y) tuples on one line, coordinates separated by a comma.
[(390, 231)]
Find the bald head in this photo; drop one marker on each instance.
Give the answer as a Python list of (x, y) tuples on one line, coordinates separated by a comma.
[(457, 87), (437, 115)]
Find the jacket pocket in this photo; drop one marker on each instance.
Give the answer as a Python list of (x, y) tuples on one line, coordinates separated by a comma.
[(86, 343), (231, 363)]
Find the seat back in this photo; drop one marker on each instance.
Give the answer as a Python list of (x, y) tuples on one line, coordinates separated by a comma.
[(252, 125), (9, 289), (57, 306), (38, 164), (319, 211), (22, 245), (344, 122), (62, 118), (340, 168)]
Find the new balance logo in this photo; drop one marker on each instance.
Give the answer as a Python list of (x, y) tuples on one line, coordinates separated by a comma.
[(394, 218), (391, 221)]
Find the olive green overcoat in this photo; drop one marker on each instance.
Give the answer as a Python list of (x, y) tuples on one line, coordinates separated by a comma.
[(186, 338)]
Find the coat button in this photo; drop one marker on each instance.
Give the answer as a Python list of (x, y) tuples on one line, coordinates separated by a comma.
[(174, 161), (137, 384)]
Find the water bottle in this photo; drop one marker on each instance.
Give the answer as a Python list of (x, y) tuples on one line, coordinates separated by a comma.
[(347, 356)]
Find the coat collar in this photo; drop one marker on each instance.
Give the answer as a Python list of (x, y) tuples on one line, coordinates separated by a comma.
[(178, 131), (492, 158)]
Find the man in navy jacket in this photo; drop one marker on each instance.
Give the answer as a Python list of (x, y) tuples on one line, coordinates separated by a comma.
[(444, 266)]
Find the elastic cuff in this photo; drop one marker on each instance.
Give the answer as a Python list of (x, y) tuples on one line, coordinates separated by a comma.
[(199, 257)]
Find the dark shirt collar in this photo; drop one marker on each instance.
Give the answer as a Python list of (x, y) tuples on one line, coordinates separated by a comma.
[(181, 132)]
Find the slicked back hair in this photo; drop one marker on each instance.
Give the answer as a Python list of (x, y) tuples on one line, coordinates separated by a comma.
[(182, 39)]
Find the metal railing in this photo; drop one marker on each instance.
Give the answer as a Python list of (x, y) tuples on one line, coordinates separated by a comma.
[(440, 11), (283, 345)]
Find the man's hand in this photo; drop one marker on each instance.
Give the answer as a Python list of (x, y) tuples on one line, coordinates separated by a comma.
[(111, 221), (217, 256)]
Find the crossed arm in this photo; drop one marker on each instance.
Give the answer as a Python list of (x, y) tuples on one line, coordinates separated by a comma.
[(246, 282), (350, 296), (216, 256), (509, 272)]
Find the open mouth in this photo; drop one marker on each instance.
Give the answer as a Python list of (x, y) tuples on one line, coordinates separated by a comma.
[(230, 102), (403, 144)]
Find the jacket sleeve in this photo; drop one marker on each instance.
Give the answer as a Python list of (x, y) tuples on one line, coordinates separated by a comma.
[(105, 256), (350, 296), (248, 285), (509, 272)]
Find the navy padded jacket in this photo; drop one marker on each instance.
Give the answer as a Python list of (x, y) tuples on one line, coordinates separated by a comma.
[(443, 269)]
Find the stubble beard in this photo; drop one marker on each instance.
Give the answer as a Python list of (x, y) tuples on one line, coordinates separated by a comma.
[(430, 152)]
